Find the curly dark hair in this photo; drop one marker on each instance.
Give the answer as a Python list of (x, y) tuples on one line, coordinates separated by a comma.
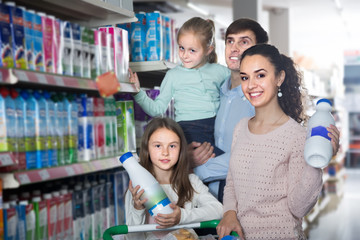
[(293, 93), (180, 181)]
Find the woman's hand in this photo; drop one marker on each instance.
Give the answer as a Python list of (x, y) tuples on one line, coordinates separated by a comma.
[(334, 134), (169, 220), (200, 153), (136, 194), (228, 224), (133, 78)]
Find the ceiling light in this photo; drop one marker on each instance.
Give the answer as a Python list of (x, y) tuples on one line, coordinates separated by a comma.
[(197, 9)]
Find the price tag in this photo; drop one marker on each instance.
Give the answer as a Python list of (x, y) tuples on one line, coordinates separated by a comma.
[(5, 160), (24, 178), (44, 174), (70, 171), (59, 81), (22, 76), (41, 79)]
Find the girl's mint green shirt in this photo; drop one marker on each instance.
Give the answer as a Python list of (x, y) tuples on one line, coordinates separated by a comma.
[(196, 92)]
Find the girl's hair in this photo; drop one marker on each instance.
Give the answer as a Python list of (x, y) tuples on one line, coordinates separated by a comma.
[(180, 181), (205, 31), (293, 93)]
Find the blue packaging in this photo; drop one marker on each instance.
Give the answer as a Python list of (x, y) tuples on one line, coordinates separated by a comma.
[(138, 38), (153, 36), (41, 130), (18, 35), (66, 49), (38, 44), (51, 133), (166, 38), (86, 146), (77, 57), (6, 59), (21, 224), (29, 38), (10, 221), (29, 126)]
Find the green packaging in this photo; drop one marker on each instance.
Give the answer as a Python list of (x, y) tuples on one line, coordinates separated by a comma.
[(125, 126)]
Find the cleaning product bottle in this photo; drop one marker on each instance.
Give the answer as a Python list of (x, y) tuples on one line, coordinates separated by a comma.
[(51, 135), (318, 150), (157, 201)]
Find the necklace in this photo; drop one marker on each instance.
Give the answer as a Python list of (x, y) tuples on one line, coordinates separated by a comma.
[(279, 119)]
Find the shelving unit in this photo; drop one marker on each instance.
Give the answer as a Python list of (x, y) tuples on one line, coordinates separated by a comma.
[(149, 66), (90, 13), (20, 178), (14, 76)]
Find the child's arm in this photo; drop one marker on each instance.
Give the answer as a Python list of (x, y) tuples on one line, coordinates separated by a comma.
[(134, 79)]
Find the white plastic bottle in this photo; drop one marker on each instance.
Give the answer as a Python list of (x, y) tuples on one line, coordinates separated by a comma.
[(318, 150), (157, 201)]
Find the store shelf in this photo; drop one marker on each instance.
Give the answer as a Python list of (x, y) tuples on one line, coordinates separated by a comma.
[(15, 76), (149, 66), (7, 159), (17, 179), (338, 175), (91, 13)]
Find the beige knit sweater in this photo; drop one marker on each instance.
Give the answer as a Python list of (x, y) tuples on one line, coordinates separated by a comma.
[(269, 184)]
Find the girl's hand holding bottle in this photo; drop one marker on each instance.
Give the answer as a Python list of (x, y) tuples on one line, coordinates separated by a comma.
[(136, 194), (169, 220)]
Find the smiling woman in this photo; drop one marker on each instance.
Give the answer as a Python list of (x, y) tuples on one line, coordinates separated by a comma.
[(268, 148)]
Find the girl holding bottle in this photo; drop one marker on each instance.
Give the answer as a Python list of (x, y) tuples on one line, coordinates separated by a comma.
[(163, 152)]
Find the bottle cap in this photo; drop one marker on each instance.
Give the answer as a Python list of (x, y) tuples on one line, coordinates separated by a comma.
[(125, 156), (324, 100)]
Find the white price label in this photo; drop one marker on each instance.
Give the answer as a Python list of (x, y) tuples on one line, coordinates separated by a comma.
[(70, 171), (22, 76), (59, 81), (5, 160), (24, 178), (44, 174), (41, 78)]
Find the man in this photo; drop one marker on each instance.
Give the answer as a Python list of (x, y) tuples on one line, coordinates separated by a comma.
[(240, 35)]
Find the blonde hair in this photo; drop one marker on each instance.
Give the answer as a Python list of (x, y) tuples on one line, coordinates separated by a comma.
[(205, 30)]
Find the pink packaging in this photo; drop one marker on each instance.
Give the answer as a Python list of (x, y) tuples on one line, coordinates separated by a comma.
[(68, 218), (48, 24), (56, 45), (120, 51), (99, 119), (60, 216)]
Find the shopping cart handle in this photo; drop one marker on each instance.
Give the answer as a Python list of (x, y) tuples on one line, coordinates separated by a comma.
[(125, 229)]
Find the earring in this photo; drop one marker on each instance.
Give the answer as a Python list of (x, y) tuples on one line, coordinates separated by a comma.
[(279, 93)]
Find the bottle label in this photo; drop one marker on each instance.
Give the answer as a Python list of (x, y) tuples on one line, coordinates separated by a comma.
[(163, 203), (320, 131)]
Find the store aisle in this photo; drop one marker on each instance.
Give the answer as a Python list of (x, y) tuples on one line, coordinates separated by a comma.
[(340, 219)]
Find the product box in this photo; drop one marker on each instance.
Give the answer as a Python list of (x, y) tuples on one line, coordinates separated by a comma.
[(6, 41), (125, 126), (99, 126), (86, 67), (92, 52), (138, 38), (29, 38), (18, 35), (86, 136), (66, 50), (154, 36), (77, 56), (38, 43), (120, 182)]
